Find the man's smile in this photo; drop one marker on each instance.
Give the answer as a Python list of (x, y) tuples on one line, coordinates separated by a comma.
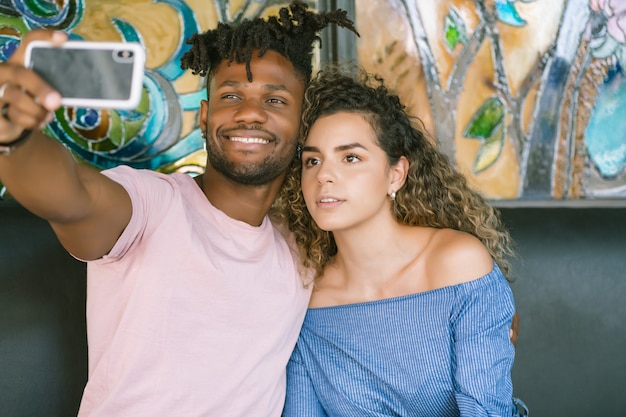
[(247, 139)]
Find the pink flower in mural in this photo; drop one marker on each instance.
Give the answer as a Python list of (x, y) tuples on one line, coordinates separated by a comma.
[(615, 13), (607, 32)]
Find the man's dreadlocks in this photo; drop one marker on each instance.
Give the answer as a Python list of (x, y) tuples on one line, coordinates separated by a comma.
[(291, 34)]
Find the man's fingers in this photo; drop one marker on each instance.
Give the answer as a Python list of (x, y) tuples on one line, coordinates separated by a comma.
[(26, 101), (514, 332), (17, 81), (53, 36), (26, 114)]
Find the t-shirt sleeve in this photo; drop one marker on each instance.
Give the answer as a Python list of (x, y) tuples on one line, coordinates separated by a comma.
[(301, 400), (483, 354), (149, 193)]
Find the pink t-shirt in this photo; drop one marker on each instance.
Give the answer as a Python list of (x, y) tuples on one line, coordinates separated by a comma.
[(192, 313)]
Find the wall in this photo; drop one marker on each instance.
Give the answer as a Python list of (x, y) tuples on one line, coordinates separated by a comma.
[(570, 293), (43, 343)]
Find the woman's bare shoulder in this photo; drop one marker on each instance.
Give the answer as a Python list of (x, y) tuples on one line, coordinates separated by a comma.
[(455, 257)]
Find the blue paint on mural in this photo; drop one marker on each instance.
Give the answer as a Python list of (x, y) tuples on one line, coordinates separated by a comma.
[(507, 13), (148, 137), (606, 131), (171, 69)]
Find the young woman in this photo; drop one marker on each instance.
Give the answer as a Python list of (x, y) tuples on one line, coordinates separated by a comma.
[(411, 309)]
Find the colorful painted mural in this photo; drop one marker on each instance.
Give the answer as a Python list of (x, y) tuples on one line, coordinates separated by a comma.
[(162, 133), (527, 97)]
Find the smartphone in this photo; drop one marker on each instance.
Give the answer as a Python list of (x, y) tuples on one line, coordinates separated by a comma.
[(91, 74)]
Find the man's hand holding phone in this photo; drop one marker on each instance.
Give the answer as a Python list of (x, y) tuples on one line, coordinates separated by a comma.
[(47, 71), (90, 74), (27, 102)]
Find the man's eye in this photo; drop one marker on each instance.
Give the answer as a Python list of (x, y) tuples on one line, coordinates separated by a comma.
[(276, 100), (229, 96)]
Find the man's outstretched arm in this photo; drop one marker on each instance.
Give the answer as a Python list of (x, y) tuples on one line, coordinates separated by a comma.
[(87, 210)]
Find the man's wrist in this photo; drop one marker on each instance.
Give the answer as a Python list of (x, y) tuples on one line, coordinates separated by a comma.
[(8, 148)]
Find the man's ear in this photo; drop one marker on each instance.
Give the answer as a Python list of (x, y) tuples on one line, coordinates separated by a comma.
[(204, 114), (399, 172)]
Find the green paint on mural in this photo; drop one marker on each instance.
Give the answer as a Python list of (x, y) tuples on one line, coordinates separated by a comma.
[(486, 119), (454, 29)]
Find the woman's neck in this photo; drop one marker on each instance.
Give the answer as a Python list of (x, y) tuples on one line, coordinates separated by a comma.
[(370, 255)]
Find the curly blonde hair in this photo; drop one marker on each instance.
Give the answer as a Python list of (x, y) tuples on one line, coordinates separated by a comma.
[(434, 194)]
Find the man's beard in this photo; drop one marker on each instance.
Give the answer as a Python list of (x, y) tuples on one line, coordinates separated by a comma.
[(253, 173)]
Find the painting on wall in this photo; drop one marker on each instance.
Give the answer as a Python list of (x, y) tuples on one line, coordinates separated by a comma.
[(162, 133), (527, 97)]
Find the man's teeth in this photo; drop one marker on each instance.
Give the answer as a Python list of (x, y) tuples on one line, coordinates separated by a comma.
[(248, 140)]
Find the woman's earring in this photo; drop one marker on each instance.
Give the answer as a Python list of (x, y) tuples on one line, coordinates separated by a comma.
[(392, 195)]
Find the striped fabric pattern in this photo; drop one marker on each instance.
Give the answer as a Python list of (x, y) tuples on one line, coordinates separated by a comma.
[(444, 352)]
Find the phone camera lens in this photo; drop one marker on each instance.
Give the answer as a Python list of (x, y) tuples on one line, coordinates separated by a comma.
[(125, 54)]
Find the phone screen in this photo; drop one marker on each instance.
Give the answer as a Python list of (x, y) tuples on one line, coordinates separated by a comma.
[(102, 77)]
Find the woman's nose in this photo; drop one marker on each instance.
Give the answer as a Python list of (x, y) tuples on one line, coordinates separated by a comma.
[(325, 173)]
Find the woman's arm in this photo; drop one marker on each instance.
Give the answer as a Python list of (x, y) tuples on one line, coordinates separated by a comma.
[(482, 350)]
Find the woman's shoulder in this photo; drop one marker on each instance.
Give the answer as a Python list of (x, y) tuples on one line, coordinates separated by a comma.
[(456, 257)]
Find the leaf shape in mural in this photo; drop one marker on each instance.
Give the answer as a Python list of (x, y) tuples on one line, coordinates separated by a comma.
[(507, 13), (490, 150), (454, 29), (487, 124), (486, 119)]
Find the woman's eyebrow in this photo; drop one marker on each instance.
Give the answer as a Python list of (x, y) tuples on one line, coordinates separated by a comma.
[(337, 148)]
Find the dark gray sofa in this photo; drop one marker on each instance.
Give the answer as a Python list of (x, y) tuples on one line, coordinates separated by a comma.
[(570, 293)]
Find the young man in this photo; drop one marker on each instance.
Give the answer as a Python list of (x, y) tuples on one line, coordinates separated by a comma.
[(194, 298)]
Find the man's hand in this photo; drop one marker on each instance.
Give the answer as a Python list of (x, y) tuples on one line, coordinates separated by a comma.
[(26, 101), (514, 332)]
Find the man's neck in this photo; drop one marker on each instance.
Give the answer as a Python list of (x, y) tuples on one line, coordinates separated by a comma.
[(246, 203)]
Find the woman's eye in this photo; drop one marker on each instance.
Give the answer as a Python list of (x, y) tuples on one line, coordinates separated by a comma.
[(309, 162), (352, 158)]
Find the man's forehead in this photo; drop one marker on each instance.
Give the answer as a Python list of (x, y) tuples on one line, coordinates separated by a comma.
[(272, 70), (239, 84)]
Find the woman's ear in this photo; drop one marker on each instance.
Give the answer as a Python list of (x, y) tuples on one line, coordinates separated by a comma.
[(399, 172)]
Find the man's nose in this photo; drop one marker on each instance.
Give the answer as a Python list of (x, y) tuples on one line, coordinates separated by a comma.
[(251, 111)]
